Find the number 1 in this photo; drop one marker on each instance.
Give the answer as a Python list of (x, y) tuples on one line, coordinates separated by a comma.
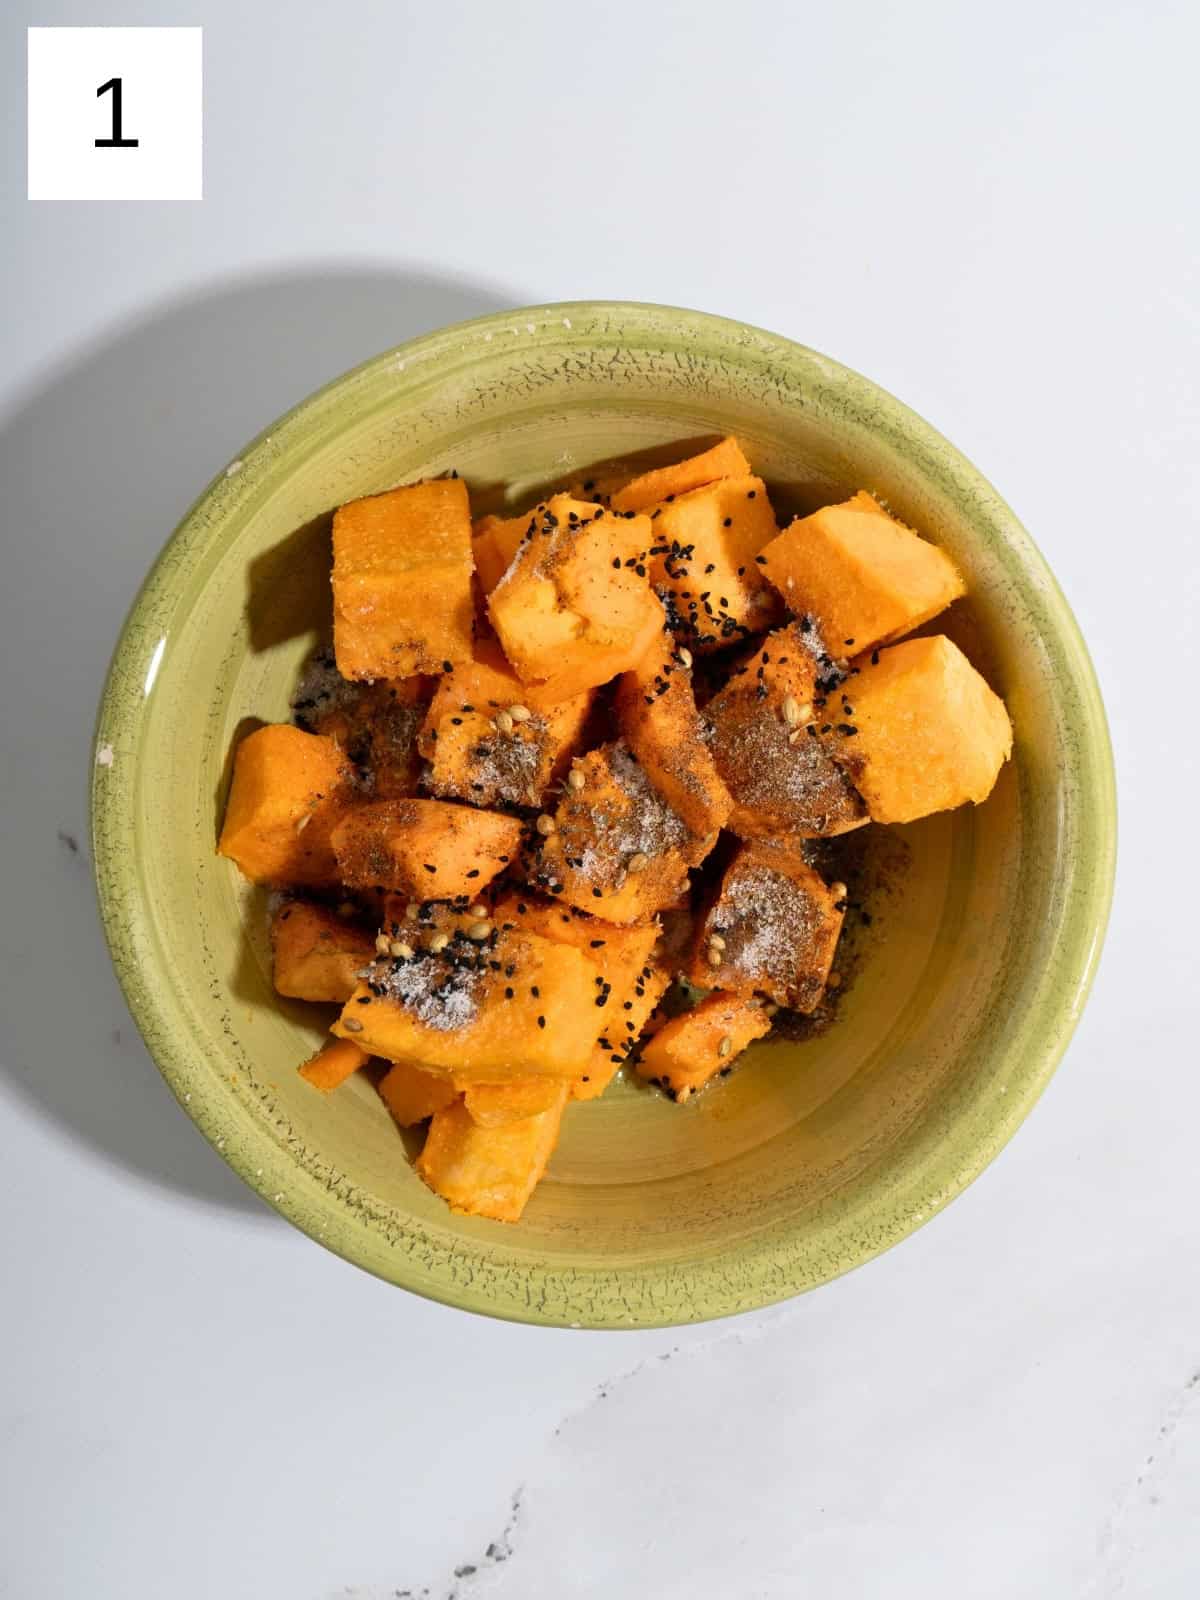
[(115, 140)]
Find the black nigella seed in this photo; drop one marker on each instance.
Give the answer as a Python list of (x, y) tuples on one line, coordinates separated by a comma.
[(541, 1022)]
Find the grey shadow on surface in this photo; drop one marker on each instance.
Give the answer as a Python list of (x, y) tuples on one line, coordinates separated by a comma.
[(98, 465)]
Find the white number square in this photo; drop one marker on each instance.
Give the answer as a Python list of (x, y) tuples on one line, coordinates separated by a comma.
[(116, 114)]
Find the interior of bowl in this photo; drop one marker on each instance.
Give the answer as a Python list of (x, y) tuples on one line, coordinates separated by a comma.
[(968, 971)]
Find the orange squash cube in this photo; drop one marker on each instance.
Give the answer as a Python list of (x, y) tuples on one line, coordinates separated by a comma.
[(423, 847), (414, 1096), (657, 712), (692, 1049), (704, 566), (495, 542), (493, 1105), (616, 848), (575, 607), (375, 724), (402, 569), (781, 776), (317, 954), (629, 980), (772, 928), (862, 575), (334, 1062), (289, 790), (491, 740), (489, 1171), (725, 459), (923, 731), (510, 1005)]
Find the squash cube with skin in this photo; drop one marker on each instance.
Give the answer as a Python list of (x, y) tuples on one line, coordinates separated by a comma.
[(289, 790), (772, 928), (334, 1062), (424, 847), (614, 847), (863, 575), (489, 1171), (725, 459), (491, 740), (629, 980), (495, 542), (402, 570), (924, 731), (703, 563), (506, 1006), (414, 1096), (316, 954), (690, 1050), (575, 608), (782, 777), (657, 712)]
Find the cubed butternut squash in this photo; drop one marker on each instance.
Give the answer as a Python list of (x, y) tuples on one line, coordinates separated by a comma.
[(316, 954), (726, 459), (334, 1062), (779, 773), (704, 563), (629, 979), (376, 726), (656, 708), (486, 1009), (772, 927), (863, 575), (492, 1105), (424, 847), (402, 570), (289, 790), (495, 542), (923, 731), (690, 1050), (614, 847), (575, 607), (489, 1171), (492, 741), (414, 1096)]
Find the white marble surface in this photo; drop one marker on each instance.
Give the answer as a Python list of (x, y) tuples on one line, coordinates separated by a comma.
[(992, 214)]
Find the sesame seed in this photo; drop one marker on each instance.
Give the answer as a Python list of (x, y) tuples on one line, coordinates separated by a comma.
[(838, 890), (412, 911), (352, 1025), (381, 944), (479, 931), (770, 1009), (713, 956), (791, 711), (401, 951), (545, 825), (478, 909), (519, 713), (685, 658), (716, 941), (439, 942), (576, 779), (725, 1046), (304, 822), (504, 721), (637, 862)]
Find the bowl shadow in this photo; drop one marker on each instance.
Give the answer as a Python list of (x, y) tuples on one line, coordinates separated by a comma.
[(99, 462)]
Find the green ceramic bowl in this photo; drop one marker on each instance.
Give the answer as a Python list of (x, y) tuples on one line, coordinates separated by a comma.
[(813, 1156)]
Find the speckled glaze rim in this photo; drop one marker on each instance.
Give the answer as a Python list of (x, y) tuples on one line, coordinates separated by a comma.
[(769, 1269)]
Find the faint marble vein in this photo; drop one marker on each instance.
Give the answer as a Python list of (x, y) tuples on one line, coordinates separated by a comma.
[(1117, 1546)]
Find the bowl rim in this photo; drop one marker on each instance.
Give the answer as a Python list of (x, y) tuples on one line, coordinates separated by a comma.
[(771, 1274)]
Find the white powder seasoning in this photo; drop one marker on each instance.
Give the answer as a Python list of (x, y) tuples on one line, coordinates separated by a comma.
[(443, 991)]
